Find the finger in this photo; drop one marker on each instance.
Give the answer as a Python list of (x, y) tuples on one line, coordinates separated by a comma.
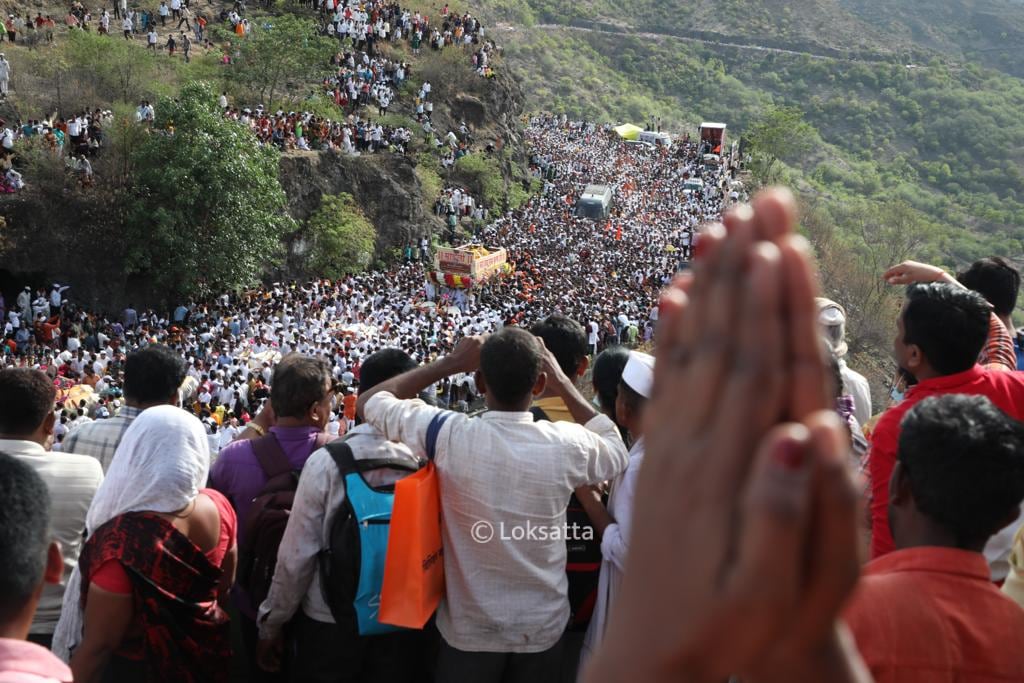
[(736, 217), (806, 365), (671, 309), (753, 395), (714, 240), (715, 310), (775, 214), (685, 328), (767, 568), (833, 562)]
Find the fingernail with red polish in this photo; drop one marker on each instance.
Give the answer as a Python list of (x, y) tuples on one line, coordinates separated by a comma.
[(790, 454)]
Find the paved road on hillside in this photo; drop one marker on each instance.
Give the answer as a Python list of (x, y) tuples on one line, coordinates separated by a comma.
[(690, 39)]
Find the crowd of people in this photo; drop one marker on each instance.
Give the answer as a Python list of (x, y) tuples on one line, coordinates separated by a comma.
[(699, 519), (230, 340)]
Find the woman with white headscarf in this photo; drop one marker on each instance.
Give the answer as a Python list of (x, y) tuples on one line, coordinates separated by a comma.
[(143, 603)]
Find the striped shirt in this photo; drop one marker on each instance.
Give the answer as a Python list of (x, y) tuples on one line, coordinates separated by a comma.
[(100, 438), (998, 353), (72, 481)]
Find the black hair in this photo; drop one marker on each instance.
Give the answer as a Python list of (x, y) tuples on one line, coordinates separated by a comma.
[(964, 460), (24, 534), (996, 280), (948, 323), (607, 373), (26, 398), (152, 374), (566, 339), (382, 366), (511, 362), (298, 382)]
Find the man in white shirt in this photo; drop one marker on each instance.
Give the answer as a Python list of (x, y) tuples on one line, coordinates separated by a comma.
[(832, 319), (5, 74), (505, 481), (26, 430), (614, 524)]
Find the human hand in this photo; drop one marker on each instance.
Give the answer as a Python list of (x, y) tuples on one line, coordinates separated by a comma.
[(589, 492), (270, 653), (466, 355), (745, 520), (910, 272)]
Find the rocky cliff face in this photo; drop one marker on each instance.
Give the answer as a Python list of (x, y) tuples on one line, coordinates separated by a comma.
[(384, 185)]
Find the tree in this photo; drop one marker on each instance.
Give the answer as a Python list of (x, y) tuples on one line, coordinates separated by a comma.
[(207, 211), (779, 135), (280, 49), (342, 237), (855, 241)]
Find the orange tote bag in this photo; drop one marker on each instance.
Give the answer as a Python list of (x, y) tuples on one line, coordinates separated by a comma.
[(414, 565)]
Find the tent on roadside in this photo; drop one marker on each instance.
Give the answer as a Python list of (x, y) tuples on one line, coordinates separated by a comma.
[(628, 131)]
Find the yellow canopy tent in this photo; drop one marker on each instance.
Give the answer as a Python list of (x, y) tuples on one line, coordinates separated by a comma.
[(628, 131)]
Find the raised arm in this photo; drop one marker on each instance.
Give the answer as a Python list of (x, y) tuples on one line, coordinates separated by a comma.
[(465, 358)]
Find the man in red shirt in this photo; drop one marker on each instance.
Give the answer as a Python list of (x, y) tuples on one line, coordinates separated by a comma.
[(927, 612), (941, 331)]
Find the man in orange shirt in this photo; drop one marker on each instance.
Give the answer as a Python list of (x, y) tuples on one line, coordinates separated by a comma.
[(927, 611), (940, 335), (349, 403)]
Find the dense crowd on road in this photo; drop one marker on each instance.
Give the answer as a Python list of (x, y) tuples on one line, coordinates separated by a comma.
[(619, 265)]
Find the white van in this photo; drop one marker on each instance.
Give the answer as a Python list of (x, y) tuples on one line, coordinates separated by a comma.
[(656, 139), (595, 202)]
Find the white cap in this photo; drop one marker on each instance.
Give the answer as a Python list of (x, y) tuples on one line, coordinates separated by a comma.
[(832, 317), (639, 373)]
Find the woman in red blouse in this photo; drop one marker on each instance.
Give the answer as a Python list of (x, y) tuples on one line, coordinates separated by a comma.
[(160, 558)]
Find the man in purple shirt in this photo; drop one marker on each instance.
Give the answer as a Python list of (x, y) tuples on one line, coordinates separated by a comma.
[(301, 394)]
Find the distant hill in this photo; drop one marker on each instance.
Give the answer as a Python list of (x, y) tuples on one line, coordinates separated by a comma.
[(990, 32)]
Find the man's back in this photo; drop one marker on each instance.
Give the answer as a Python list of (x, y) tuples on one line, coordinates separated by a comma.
[(1004, 389), (238, 475), (505, 483), (72, 481), (931, 614)]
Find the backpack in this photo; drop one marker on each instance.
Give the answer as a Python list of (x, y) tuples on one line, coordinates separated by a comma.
[(352, 565), (582, 557), (268, 517)]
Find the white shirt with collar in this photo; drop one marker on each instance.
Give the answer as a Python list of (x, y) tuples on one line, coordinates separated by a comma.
[(72, 481), (320, 494), (506, 474)]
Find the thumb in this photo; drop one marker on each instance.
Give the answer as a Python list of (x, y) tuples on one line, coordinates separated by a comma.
[(770, 546)]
